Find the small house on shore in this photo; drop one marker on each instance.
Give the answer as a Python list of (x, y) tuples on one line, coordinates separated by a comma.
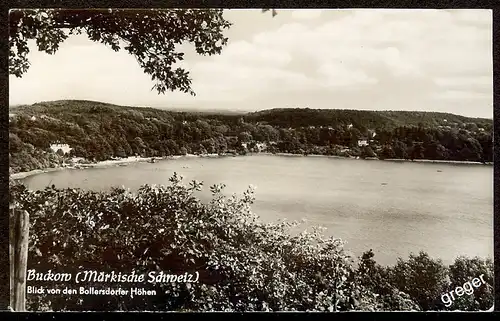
[(64, 147), (363, 141)]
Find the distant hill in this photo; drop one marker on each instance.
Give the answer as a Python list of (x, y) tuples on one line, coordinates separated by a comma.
[(82, 104), (278, 117), (99, 131), (303, 117)]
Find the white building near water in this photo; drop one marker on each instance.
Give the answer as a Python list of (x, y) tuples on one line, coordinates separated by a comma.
[(64, 147), (362, 142)]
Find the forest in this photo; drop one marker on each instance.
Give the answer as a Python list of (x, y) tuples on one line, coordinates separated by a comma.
[(97, 131)]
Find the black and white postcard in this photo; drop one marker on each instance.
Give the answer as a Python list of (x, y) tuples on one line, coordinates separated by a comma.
[(251, 160)]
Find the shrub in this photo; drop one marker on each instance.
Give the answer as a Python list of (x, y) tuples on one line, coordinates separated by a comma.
[(464, 270), (424, 279), (243, 265), (376, 279)]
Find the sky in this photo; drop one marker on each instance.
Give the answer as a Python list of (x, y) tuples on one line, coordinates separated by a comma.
[(366, 59)]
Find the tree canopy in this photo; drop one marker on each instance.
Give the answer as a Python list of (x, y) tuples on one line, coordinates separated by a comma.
[(151, 35), (241, 263), (98, 131)]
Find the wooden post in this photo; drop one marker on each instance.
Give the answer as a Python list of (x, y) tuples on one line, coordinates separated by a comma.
[(18, 235), (12, 239)]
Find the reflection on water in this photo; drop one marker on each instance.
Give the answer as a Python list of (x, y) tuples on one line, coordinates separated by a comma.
[(392, 207)]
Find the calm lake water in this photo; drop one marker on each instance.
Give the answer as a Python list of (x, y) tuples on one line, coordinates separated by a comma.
[(393, 208)]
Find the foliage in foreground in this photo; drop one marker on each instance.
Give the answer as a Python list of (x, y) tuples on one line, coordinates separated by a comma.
[(423, 280), (244, 265), (152, 36)]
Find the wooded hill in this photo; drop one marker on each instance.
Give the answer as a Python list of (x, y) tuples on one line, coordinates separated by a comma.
[(99, 131), (303, 117), (280, 117)]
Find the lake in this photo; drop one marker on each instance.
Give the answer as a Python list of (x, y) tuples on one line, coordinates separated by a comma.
[(393, 208)]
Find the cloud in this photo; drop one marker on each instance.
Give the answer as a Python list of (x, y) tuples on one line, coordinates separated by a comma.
[(358, 58), (240, 80), (246, 69), (464, 82), (461, 95), (338, 75), (81, 71), (406, 42), (245, 52), (306, 14), (398, 65)]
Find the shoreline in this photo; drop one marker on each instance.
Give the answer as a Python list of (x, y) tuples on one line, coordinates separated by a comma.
[(440, 161), (133, 159), (101, 164), (107, 163)]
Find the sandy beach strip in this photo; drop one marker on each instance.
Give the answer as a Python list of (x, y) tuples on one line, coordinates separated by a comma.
[(134, 159)]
